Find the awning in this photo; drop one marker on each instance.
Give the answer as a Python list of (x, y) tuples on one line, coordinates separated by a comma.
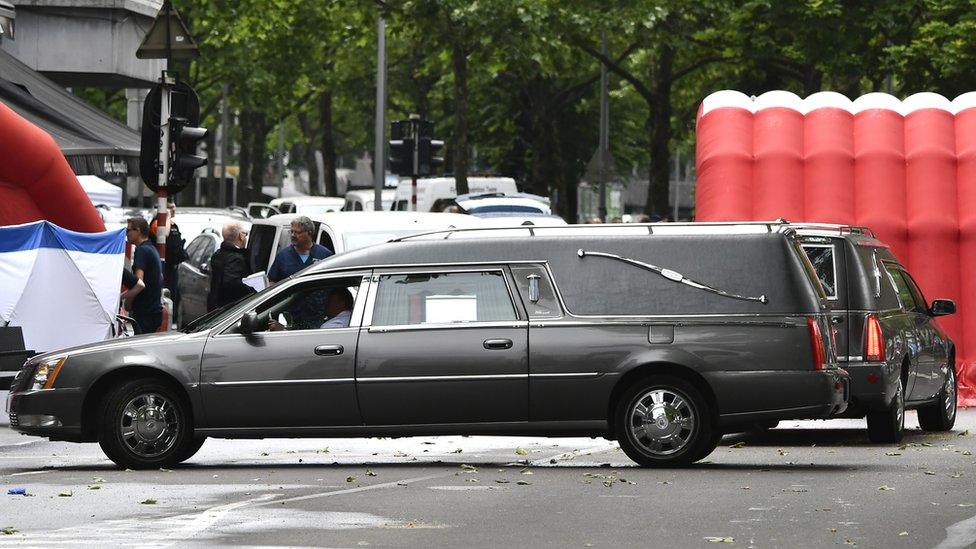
[(93, 142)]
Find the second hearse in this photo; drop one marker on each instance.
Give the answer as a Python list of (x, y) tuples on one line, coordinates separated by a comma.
[(662, 337)]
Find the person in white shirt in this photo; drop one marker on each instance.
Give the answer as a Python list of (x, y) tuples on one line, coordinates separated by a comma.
[(338, 309)]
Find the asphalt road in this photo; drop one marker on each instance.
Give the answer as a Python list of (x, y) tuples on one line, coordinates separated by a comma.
[(804, 484)]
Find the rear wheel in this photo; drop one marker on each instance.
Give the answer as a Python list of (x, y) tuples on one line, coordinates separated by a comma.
[(144, 424), (941, 416), (889, 425), (664, 421)]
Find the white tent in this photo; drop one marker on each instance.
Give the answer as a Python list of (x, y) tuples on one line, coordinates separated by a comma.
[(60, 286), (101, 191)]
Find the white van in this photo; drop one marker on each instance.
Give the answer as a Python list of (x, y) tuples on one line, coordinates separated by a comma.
[(308, 205), (431, 189), (362, 200), (344, 231)]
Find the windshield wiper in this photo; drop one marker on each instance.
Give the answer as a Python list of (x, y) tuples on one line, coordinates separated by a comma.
[(673, 276)]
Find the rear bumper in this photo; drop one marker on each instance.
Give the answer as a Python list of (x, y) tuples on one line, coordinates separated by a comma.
[(873, 385), (53, 413), (749, 397)]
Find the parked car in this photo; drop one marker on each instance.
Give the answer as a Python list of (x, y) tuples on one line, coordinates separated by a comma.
[(194, 276), (498, 204), (194, 220), (308, 205), (260, 210), (888, 337), (430, 190), (344, 231), (363, 200), (722, 329)]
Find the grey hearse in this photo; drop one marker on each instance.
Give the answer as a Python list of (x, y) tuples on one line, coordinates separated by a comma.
[(887, 335), (660, 336)]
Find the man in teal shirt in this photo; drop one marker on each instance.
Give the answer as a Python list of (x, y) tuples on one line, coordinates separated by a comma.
[(302, 252)]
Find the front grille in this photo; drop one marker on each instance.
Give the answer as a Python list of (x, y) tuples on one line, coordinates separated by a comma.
[(13, 420)]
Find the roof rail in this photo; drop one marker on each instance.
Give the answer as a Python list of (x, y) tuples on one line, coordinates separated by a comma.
[(841, 229), (771, 226)]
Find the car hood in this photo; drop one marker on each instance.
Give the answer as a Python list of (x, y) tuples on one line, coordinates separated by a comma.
[(99, 346)]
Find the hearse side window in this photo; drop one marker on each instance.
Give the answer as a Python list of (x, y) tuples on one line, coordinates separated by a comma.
[(904, 292), (822, 258), (442, 298), (920, 301), (316, 305), (546, 306)]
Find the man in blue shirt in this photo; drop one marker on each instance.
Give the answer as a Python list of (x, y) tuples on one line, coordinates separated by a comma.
[(302, 252), (144, 302)]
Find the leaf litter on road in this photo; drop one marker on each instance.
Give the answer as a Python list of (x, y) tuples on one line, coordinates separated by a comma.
[(720, 539), (148, 501)]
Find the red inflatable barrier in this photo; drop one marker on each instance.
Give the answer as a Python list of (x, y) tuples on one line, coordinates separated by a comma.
[(35, 179), (907, 169)]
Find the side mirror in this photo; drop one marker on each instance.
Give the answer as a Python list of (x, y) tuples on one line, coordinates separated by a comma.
[(249, 323), (942, 307)]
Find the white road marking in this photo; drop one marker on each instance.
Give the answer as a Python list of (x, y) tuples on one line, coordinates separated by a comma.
[(25, 473), (210, 517), (357, 489), (959, 535), (608, 445)]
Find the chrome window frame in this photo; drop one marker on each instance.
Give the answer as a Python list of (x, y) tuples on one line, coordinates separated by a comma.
[(443, 268)]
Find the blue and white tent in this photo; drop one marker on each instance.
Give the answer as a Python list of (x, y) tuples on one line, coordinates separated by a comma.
[(61, 287)]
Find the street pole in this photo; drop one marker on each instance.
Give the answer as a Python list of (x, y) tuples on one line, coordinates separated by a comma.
[(415, 135), (162, 228), (604, 131), (281, 156), (379, 140), (224, 122), (677, 184)]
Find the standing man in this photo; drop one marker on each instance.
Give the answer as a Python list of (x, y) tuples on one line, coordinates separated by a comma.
[(175, 254), (228, 267), (144, 301), (302, 252)]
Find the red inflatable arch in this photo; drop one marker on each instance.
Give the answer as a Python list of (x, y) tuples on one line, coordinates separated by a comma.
[(36, 182), (907, 169)]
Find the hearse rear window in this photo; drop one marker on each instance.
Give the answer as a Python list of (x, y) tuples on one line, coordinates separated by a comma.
[(822, 258)]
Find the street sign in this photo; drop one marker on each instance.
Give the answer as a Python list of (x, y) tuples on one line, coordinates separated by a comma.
[(168, 38)]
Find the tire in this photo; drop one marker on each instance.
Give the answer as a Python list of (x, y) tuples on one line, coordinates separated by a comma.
[(191, 449), (646, 429), (145, 424), (888, 426), (941, 416)]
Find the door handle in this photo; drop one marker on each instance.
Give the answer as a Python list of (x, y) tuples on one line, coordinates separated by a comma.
[(837, 320), (329, 350), (498, 344)]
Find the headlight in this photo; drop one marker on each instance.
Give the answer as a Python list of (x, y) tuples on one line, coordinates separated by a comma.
[(46, 372)]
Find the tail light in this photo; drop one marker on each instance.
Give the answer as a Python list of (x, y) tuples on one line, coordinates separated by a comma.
[(874, 344), (817, 343)]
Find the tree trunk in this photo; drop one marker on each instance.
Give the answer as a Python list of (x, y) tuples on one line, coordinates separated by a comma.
[(308, 135), (659, 122), (460, 147), (328, 143), (254, 130)]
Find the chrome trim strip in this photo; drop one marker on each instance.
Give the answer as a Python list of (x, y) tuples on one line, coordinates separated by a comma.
[(850, 359), (282, 382), (569, 375), (381, 379), (520, 324)]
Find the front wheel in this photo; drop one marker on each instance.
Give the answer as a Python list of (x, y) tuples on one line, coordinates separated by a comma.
[(664, 421), (889, 425), (144, 424), (941, 416)]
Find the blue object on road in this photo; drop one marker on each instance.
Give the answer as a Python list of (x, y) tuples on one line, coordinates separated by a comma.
[(17, 492)]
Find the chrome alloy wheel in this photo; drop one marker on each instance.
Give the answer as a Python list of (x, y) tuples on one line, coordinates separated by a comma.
[(149, 425), (662, 421), (949, 402)]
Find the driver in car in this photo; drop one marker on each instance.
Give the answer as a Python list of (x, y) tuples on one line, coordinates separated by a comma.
[(338, 312)]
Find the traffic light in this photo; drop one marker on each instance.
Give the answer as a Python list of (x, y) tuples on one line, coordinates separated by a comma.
[(427, 149), (401, 148), (184, 105), (183, 157)]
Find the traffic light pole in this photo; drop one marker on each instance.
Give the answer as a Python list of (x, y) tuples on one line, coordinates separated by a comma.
[(162, 230), (415, 135)]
